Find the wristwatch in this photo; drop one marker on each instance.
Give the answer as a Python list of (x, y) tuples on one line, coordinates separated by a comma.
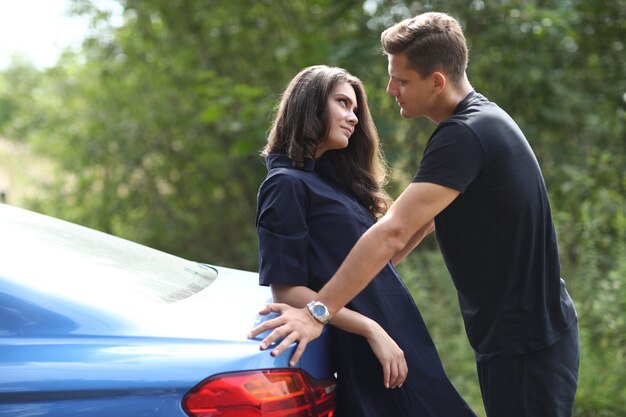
[(319, 311)]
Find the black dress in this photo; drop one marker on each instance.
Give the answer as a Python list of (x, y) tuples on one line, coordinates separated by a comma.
[(307, 223)]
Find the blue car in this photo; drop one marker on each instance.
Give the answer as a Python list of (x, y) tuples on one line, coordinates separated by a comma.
[(94, 325)]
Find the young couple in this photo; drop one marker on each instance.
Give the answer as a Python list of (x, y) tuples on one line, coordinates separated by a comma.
[(478, 182)]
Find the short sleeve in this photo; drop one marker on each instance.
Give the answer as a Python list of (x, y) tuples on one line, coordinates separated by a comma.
[(453, 157), (282, 230)]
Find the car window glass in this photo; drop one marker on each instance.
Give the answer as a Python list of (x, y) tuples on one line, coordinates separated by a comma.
[(72, 260)]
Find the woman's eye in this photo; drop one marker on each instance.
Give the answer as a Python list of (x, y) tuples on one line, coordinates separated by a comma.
[(344, 102)]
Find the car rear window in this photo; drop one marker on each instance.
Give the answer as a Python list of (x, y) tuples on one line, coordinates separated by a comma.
[(78, 262)]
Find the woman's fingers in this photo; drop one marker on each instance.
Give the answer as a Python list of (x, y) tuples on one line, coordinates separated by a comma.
[(398, 371)]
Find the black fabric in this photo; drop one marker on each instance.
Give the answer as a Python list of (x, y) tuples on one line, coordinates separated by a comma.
[(534, 384), (307, 223), (497, 237)]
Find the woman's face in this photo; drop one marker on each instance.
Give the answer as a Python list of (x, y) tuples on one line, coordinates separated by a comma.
[(341, 106)]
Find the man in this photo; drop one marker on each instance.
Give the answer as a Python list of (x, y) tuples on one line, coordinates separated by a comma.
[(481, 183)]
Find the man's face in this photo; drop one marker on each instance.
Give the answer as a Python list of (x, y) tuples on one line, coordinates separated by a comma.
[(415, 95)]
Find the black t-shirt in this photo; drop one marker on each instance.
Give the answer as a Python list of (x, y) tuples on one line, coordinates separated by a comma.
[(497, 237)]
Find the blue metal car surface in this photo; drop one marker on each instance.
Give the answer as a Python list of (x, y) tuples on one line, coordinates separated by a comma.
[(91, 324)]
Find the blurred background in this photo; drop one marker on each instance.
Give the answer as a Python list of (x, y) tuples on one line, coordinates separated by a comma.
[(148, 125)]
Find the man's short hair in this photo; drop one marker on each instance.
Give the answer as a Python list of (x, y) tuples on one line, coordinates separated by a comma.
[(431, 42)]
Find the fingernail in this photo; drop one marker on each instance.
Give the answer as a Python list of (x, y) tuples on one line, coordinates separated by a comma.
[(291, 363), (274, 352), (387, 385), (263, 346)]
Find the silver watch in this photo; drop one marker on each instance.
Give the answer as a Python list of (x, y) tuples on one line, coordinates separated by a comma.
[(319, 311)]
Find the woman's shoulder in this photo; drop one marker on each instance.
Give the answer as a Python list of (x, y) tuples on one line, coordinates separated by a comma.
[(286, 175), (281, 170), (285, 180)]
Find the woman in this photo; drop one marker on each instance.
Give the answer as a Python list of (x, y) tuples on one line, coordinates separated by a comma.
[(322, 192)]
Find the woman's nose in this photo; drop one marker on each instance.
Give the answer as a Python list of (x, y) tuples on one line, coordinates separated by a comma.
[(352, 118)]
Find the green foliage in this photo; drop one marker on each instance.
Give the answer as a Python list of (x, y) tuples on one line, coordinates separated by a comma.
[(602, 381), (153, 133)]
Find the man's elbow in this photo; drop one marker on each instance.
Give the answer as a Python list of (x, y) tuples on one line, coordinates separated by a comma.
[(393, 239)]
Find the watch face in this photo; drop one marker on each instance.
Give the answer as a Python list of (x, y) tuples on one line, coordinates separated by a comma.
[(319, 310)]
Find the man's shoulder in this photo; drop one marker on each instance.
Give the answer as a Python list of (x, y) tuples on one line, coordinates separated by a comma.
[(455, 129), (479, 109), (478, 119)]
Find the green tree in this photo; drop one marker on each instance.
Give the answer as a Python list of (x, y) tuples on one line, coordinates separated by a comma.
[(156, 126)]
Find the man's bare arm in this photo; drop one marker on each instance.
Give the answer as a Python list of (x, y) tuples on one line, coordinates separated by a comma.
[(416, 206), (413, 242)]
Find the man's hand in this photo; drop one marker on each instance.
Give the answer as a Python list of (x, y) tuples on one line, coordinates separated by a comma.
[(293, 325)]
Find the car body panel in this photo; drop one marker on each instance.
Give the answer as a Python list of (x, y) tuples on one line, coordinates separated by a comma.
[(80, 333)]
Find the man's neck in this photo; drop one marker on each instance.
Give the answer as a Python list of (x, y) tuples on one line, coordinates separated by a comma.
[(450, 99)]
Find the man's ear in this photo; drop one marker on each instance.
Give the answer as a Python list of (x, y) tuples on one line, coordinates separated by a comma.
[(439, 81)]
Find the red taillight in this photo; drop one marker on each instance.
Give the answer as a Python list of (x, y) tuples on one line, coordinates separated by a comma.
[(264, 393)]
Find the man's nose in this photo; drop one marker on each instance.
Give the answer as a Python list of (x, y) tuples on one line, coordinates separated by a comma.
[(391, 88)]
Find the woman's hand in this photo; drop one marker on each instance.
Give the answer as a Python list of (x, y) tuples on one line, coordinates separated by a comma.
[(390, 355)]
